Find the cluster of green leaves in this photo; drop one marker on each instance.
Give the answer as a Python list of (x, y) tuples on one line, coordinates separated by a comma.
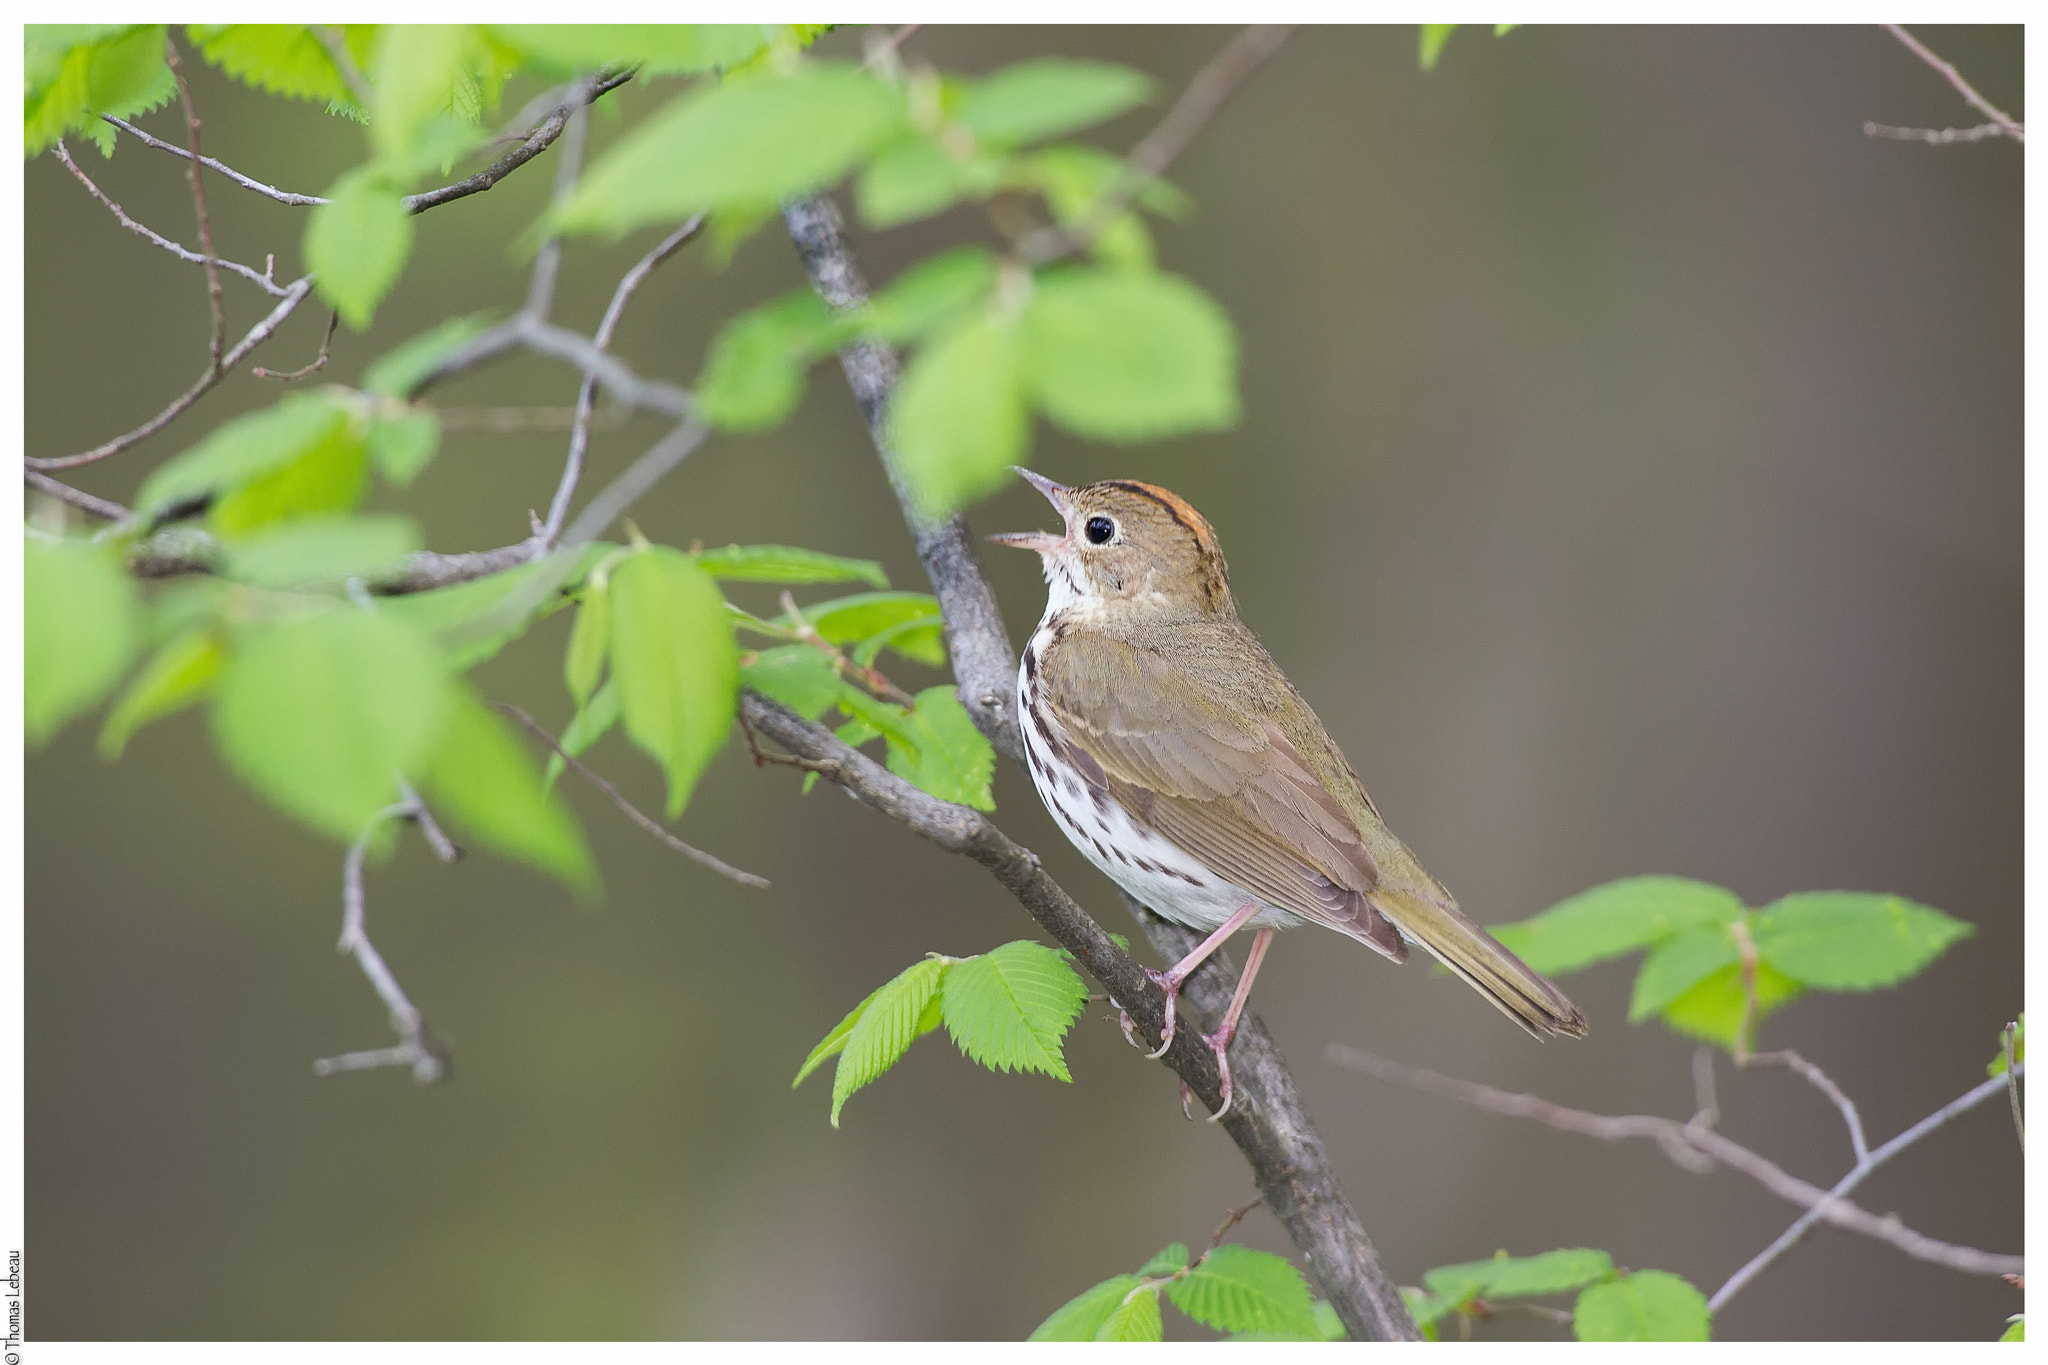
[(1252, 1295), (73, 73), (1612, 1305), (1697, 972), (1007, 1009)]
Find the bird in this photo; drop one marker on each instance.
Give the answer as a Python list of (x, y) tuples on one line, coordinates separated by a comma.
[(1177, 757)]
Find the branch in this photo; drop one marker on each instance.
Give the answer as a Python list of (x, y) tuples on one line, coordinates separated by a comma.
[(262, 281), (77, 497), (2012, 127), (1150, 158), (219, 336), (256, 336), (652, 826), (1937, 136), (560, 343), (318, 362), (268, 191), (1698, 1148)]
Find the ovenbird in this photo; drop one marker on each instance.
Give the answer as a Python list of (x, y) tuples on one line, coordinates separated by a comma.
[(1174, 753)]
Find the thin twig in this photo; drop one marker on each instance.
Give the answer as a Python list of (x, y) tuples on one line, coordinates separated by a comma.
[(1937, 136), (1698, 1149), (2012, 1080), (254, 337), (1150, 158), (586, 396), (261, 280), (536, 143), (1745, 1042), (1707, 1110), (507, 421), (214, 302), (547, 262), (561, 344), (319, 361), (652, 826), (2014, 129), (77, 497), (246, 182), (430, 829), (867, 675)]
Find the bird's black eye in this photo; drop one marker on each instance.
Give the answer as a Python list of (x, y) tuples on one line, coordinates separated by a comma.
[(1099, 530)]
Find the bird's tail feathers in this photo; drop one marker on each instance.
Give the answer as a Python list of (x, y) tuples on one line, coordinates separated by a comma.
[(1513, 987)]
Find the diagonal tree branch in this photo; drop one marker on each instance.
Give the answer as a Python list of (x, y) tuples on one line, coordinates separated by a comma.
[(261, 281), (2011, 126)]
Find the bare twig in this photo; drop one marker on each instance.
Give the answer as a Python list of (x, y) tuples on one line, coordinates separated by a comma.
[(259, 279), (865, 675), (254, 337), (192, 168), (1745, 1042), (1150, 158), (247, 183), (1937, 136), (510, 421), (77, 497), (1707, 1111), (319, 362), (561, 344), (2012, 1080), (648, 823), (415, 1048), (536, 143), (547, 262), (2014, 129), (430, 829), (1698, 1149)]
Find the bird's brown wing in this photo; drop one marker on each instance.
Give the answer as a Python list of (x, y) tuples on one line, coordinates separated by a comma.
[(1197, 763)]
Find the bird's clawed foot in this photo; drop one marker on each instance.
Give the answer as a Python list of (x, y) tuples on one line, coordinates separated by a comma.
[(1169, 983), (1219, 1043)]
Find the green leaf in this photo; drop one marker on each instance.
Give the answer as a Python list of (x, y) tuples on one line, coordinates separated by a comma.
[(937, 747), (325, 480), (678, 669), (241, 451), (958, 420), (1237, 1289), (1009, 1008), (1168, 1259), (2018, 1029), (73, 73), (1073, 179), (403, 446), (1648, 1305), (831, 1044), (1083, 1315), (588, 640), (1329, 1326), (657, 49), (1425, 1308), (591, 723), (863, 615), (278, 59), (750, 143), (923, 641), (1503, 30), (1118, 355), (1434, 36), (481, 778), (181, 673), (358, 244), (399, 371), (2015, 1328), (801, 677), (1678, 964), (455, 616), (1049, 96), (754, 372), (932, 292), (913, 177), (324, 549), (1852, 940), (787, 564), (1616, 918), (1712, 1010), (417, 105), (321, 714), (893, 1019), (82, 624), (1134, 1319), (1509, 1277)]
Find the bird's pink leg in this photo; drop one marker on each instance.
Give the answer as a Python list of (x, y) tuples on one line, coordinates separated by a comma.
[(1170, 980), (1219, 1041)]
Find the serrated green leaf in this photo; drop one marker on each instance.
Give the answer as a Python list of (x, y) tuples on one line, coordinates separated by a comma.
[(932, 292), (321, 549), (912, 177), (180, 673), (1009, 1008), (82, 624), (1615, 918), (846, 619), (591, 723), (937, 747), (2019, 1046), (397, 372), (322, 714), (242, 450), (1648, 1305), (455, 616), (831, 1043), (1118, 355), (677, 666), (958, 420), (1238, 1289), (419, 109), (280, 59), (403, 446), (1134, 1319), (1169, 1258), (1509, 1277), (801, 677), (1049, 96), (358, 244), (481, 778), (754, 372), (75, 73), (1678, 964), (1712, 1010), (1852, 940), (748, 144), (589, 638), (787, 564), (894, 1018), (1432, 41), (1083, 1315), (657, 49)]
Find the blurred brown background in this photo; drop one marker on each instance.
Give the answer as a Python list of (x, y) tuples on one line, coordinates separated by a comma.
[(1630, 475)]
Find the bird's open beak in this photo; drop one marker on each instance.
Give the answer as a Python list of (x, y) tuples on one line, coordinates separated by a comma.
[(1042, 541)]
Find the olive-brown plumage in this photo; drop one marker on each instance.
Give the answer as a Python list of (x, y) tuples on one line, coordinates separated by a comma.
[(1179, 759)]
